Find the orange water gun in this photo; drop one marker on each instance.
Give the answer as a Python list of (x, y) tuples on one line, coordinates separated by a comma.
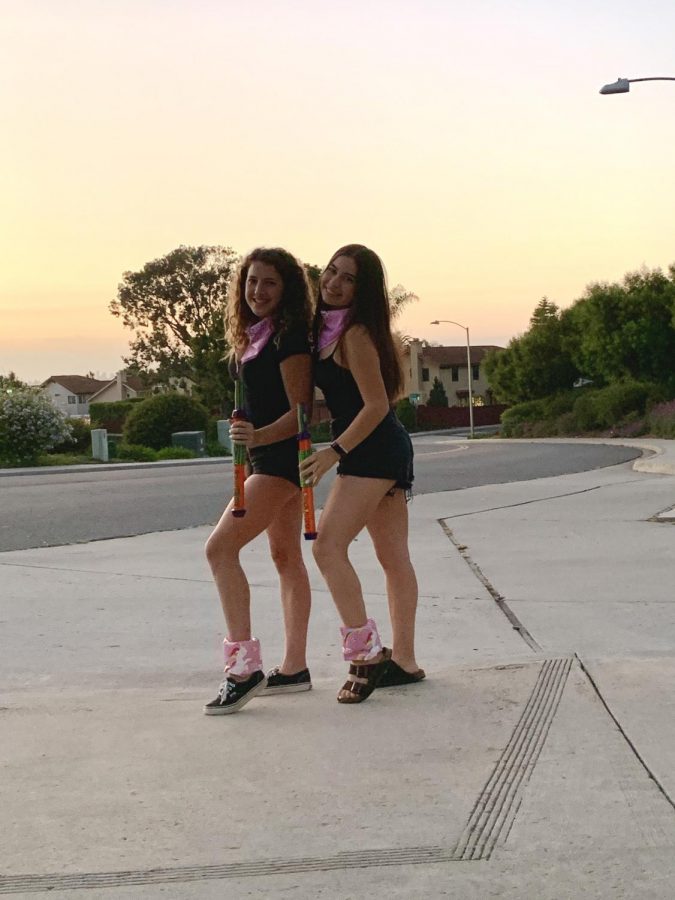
[(305, 450), (239, 453)]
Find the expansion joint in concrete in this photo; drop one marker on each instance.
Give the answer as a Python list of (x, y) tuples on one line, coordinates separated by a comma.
[(623, 733), (501, 602)]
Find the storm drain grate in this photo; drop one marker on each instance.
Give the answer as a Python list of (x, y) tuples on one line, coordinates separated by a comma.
[(498, 803)]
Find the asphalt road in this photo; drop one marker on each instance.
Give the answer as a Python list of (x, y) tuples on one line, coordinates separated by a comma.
[(54, 508)]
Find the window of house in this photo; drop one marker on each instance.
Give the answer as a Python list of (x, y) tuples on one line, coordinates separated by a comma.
[(475, 372), (455, 373), (425, 374), (72, 400), (81, 398)]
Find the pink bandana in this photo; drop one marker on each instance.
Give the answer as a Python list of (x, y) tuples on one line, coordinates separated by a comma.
[(334, 323), (258, 336)]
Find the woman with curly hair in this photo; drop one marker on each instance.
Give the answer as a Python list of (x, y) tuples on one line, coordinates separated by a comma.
[(267, 325), (358, 370)]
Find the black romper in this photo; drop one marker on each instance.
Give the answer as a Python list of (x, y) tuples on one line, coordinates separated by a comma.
[(387, 452), (266, 401)]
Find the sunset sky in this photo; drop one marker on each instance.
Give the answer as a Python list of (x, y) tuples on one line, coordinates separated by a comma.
[(466, 142)]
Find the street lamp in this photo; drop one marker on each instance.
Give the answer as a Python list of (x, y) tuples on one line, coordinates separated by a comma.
[(468, 362), (622, 86)]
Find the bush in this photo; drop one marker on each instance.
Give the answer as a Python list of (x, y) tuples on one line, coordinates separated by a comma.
[(29, 425), (78, 442), (584, 412), (516, 419), (175, 453), (618, 400), (154, 420), (113, 414), (320, 432), (136, 453), (406, 413), (566, 424), (559, 403), (214, 448), (661, 420)]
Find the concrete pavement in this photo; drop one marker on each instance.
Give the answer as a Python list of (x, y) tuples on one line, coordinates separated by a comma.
[(535, 762)]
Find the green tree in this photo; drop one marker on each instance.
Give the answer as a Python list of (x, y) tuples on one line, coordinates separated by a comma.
[(175, 306), (9, 383), (437, 395), (626, 330), (536, 364)]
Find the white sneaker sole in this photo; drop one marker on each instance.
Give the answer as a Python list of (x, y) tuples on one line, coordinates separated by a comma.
[(235, 707), (288, 688)]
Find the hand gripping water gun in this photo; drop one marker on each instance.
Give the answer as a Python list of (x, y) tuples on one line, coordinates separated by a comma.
[(305, 450), (239, 453)]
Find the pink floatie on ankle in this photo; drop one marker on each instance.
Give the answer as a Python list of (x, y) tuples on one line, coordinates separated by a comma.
[(242, 657), (361, 644)]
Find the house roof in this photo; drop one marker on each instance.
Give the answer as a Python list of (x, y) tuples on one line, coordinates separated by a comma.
[(130, 381), (76, 384), (455, 356), (135, 383)]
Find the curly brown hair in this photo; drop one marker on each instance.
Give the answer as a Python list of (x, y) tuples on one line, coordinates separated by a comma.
[(295, 309)]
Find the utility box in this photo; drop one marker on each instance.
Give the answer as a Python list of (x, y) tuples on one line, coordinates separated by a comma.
[(224, 438), (191, 440), (99, 444)]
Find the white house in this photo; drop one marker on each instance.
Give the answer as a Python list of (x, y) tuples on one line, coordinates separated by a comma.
[(72, 394)]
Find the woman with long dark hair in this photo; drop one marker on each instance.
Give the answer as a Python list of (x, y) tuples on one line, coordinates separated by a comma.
[(358, 370), (267, 325)]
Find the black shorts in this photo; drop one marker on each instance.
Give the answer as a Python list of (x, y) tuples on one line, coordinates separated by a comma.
[(280, 459), (387, 452)]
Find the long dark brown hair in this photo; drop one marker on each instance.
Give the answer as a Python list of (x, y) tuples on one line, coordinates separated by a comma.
[(295, 309), (371, 309)]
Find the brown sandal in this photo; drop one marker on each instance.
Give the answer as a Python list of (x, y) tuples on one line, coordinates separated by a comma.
[(363, 678)]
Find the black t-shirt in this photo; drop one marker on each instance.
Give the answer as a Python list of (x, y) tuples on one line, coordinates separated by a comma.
[(266, 399)]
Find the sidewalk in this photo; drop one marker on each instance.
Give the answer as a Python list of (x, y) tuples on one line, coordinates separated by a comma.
[(536, 761)]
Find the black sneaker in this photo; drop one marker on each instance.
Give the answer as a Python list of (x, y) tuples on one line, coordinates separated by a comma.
[(278, 683), (232, 695)]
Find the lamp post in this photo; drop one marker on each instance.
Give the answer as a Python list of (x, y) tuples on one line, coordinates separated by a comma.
[(468, 363), (622, 85)]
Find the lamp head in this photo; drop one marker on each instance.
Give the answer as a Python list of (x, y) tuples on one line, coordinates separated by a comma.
[(435, 322), (622, 86)]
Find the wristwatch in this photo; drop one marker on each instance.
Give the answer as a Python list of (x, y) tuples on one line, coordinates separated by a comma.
[(339, 449)]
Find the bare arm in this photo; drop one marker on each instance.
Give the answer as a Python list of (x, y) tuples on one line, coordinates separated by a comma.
[(296, 374), (364, 364)]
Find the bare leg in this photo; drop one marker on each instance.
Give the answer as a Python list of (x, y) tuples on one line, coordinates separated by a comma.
[(284, 539), (351, 503), (265, 496), (388, 528)]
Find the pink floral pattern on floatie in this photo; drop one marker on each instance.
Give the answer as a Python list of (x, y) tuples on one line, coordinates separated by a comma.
[(361, 644), (242, 657)]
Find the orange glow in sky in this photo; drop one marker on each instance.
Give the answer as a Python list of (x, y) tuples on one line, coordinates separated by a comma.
[(466, 142)]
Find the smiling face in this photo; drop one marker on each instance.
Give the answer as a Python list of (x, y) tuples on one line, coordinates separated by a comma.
[(264, 289), (338, 282)]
